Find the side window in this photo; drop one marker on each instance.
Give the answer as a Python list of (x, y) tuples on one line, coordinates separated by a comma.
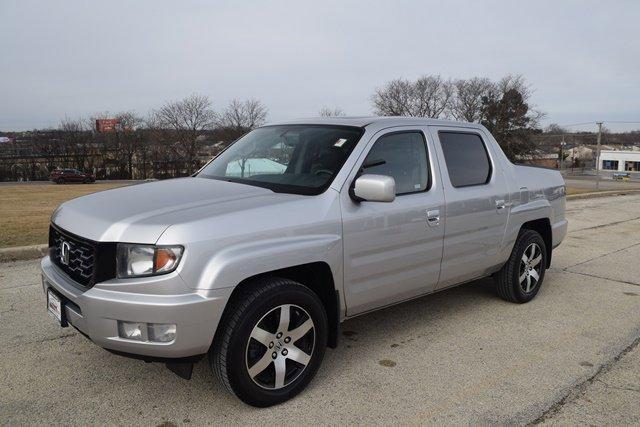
[(402, 156), (466, 157)]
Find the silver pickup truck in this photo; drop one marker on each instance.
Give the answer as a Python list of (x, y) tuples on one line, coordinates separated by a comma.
[(257, 258)]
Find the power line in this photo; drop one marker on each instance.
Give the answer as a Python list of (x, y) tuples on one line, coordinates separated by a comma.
[(578, 124), (604, 121)]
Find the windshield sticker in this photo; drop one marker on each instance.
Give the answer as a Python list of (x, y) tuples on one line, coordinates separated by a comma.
[(340, 142)]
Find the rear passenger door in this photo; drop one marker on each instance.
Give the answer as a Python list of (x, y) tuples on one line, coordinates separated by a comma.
[(391, 251), (476, 205)]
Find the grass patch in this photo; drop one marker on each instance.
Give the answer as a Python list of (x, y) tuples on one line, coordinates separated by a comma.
[(25, 210)]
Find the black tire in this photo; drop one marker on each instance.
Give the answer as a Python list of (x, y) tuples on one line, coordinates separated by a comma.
[(508, 280), (230, 353), (87, 181), (60, 181)]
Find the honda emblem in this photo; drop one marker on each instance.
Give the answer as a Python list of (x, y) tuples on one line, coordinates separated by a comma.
[(65, 248)]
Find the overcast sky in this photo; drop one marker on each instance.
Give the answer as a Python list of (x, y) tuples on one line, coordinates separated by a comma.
[(80, 57)]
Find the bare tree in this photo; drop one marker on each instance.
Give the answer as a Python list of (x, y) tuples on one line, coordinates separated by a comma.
[(467, 101), (428, 96), (243, 116), (129, 138), (394, 99), (75, 144), (331, 112), (556, 129), (432, 95), (186, 120)]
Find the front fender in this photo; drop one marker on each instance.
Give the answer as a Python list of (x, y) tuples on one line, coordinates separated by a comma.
[(231, 265)]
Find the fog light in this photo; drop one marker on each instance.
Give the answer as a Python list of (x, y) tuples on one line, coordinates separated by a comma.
[(162, 332), (130, 330)]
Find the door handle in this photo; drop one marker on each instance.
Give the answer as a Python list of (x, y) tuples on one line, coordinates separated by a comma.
[(500, 204), (433, 217)]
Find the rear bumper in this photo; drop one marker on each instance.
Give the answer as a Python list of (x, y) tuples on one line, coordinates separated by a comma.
[(95, 312)]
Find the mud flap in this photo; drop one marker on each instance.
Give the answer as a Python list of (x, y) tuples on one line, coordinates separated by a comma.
[(182, 369)]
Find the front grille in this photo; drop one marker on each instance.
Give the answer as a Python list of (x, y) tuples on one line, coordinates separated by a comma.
[(88, 262)]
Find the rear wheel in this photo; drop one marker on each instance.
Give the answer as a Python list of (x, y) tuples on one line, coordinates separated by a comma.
[(60, 181), (271, 342), (521, 277)]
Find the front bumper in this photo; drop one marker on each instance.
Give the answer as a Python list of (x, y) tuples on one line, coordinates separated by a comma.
[(95, 312)]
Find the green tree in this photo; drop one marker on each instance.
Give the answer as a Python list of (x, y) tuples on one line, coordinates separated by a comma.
[(508, 116)]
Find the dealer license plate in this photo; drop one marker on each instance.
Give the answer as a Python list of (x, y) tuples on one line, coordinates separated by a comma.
[(54, 305)]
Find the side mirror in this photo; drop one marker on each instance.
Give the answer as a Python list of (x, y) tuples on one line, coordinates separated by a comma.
[(375, 188)]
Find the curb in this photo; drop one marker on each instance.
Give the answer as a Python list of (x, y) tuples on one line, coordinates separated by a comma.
[(602, 194), (21, 253)]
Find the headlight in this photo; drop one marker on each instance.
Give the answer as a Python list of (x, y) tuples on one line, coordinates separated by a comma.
[(146, 260)]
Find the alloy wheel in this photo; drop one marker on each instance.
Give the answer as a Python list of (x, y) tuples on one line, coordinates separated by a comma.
[(530, 268), (280, 346)]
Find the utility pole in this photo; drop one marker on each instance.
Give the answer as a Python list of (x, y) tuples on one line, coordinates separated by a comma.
[(562, 144), (598, 155)]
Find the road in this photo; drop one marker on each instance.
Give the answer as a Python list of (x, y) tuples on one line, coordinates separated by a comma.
[(586, 182), (462, 356)]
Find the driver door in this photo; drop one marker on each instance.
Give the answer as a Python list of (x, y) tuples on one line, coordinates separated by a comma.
[(391, 251)]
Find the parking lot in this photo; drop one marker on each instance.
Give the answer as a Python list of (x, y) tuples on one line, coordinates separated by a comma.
[(462, 356)]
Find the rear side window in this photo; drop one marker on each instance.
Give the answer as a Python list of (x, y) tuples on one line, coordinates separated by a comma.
[(402, 156), (466, 158)]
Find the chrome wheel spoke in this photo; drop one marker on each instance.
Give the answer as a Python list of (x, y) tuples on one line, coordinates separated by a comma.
[(285, 316), (262, 336), (523, 277), (299, 356), (528, 284), (536, 260), (535, 275), (301, 330), (261, 365), (281, 370), (525, 259)]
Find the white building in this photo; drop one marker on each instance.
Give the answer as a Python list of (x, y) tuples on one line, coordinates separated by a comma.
[(622, 161), (580, 152)]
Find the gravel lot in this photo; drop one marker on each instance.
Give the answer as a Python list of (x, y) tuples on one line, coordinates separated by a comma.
[(461, 356)]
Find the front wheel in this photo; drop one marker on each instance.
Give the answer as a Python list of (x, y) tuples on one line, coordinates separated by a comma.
[(521, 277), (271, 342)]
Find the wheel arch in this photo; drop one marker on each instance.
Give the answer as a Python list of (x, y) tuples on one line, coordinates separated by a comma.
[(317, 276), (543, 227)]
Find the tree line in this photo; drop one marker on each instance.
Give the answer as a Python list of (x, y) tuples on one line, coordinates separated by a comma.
[(173, 140), (179, 136), (503, 107)]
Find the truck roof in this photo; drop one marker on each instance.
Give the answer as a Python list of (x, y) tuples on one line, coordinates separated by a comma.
[(379, 121)]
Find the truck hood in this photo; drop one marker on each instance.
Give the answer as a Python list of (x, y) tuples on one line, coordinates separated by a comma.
[(141, 213)]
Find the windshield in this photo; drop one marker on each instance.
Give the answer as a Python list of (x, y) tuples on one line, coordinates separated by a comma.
[(301, 159)]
